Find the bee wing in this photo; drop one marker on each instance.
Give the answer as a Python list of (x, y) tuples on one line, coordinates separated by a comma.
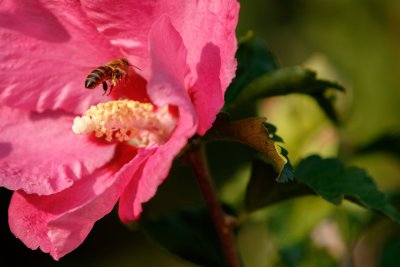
[(86, 70)]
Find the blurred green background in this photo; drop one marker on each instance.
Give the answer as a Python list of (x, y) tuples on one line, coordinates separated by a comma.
[(354, 42)]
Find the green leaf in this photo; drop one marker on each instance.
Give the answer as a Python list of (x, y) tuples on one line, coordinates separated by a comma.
[(189, 234), (326, 103), (288, 81), (305, 253), (390, 254), (272, 132), (330, 179), (287, 171), (253, 61), (389, 142), (253, 133), (263, 190)]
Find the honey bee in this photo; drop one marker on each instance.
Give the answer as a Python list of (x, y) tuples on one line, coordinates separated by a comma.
[(112, 71)]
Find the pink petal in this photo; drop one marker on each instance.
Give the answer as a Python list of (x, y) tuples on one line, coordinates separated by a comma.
[(46, 51), (59, 223), (207, 87), (165, 87), (168, 67), (127, 24), (203, 22), (40, 154), (146, 180)]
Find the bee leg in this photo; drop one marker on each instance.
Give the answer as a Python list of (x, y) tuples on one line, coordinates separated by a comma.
[(105, 88), (119, 76), (126, 75), (111, 87), (122, 72)]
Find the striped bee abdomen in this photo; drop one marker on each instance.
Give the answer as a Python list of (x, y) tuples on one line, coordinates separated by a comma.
[(98, 76)]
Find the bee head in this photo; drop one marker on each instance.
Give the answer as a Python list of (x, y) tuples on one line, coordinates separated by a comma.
[(125, 61)]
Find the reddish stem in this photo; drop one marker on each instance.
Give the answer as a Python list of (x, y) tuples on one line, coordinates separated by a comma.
[(224, 224)]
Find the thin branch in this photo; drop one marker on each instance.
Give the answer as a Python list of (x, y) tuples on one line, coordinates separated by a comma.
[(224, 224)]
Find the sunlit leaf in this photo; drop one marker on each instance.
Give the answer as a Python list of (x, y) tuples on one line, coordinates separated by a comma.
[(253, 133), (330, 179)]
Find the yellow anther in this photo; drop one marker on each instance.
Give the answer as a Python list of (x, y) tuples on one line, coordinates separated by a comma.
[(127, 120)]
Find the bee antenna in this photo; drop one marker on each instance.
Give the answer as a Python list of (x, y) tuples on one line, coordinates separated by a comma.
[(136, 67)]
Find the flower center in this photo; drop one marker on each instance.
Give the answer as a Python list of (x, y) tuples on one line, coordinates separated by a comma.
[(140, 124)]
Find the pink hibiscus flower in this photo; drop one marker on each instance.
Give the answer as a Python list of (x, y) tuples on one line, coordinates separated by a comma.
[(64, 182)]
